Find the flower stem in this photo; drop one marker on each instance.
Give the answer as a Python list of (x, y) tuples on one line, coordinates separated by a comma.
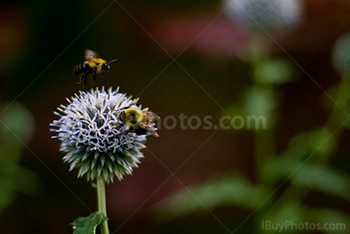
[(101, 202), (264, 140), (332, 125)]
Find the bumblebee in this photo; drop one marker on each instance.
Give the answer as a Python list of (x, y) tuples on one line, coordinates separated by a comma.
[(92, 67), (140, 121)]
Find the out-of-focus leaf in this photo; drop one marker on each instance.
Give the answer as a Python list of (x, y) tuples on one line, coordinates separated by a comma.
[(320, 141), (6, 193), (232, 191), (261, 103), (325, 180), (234, 111), (332, 221), (293, 217), (87, 225), (9, 157), (27, 182), (298, 146), (309, 175), (274, 72), (16, 128), (17, 123), (290, 211), (240, 121)]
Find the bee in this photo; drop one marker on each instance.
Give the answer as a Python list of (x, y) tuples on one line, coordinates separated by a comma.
[(140, 121), (92, 66)]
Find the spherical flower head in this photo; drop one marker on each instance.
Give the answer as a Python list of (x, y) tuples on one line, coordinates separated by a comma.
[(94, 137), (264, 15), (341, 55)]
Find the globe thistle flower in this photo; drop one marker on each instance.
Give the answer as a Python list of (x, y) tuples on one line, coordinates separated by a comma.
[(270, 15), (341, 55), (94, 137)]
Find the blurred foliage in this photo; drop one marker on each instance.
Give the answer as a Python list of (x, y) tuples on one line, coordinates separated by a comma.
[(274, 72), (16, 129), (230, 190), (290, 210), (261, 102), (305, 174), (311, 142), (327, 216), (18, 123), (301, 169)]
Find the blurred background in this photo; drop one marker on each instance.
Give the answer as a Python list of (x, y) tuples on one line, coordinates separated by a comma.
[(284, 60)]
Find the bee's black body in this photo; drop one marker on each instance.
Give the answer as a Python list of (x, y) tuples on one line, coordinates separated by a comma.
[(139, 130), (83, 68), (92, 67)]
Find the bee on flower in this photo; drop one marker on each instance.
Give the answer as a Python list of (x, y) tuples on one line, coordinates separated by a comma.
[(99, 135)]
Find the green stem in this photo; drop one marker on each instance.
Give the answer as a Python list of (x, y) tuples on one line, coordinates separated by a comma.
[(332, 125), (101, 202), (264, 140)]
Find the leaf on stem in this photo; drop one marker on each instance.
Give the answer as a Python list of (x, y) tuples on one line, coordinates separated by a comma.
[(87, 225)]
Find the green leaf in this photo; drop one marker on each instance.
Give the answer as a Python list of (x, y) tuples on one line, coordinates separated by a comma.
[(261, 102), (226, 191), (234, 111), (274, 72), (27, 181), (87, 225), (18, 123), (308, 175), (338, 220), (319, 141), (290, 210)]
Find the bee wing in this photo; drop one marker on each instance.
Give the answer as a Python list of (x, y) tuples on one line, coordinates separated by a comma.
[(153, 116), (90, 54)]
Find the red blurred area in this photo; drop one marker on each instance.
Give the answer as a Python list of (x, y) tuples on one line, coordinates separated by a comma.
[(208, 33)]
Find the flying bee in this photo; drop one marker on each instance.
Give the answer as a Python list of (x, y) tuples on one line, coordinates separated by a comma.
[(140, 121), (92, 66)]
